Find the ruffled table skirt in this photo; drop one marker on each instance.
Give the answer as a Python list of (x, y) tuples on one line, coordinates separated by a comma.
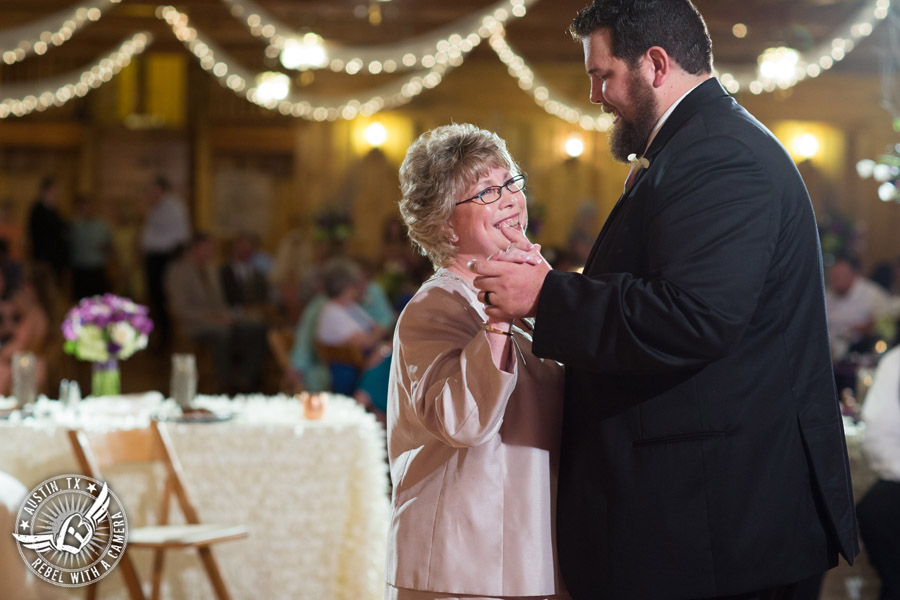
[(313, 494)]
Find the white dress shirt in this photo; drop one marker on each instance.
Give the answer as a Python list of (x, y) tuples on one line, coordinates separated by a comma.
[(881, 414), (166, 227), (665, 117), (863, 303)]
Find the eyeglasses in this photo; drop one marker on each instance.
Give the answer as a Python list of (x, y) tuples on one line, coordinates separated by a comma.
[(493, 193)]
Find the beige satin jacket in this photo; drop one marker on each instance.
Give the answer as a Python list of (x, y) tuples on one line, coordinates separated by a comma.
[(473, 453)]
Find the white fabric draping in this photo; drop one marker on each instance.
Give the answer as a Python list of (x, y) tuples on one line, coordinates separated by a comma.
[(861, 474), (313, 494)]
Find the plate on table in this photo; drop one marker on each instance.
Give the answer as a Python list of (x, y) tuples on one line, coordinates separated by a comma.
[(8, 406), (195, 415)]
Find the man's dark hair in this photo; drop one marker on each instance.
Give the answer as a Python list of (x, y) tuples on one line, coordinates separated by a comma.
[(163, 183), (199, 237), (47, 182), (851, 260), (636, 25)]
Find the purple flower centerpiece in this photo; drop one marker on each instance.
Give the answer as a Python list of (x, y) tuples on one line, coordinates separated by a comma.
[(104, 330)]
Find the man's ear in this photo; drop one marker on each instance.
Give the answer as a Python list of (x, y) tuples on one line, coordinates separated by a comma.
[(660, 64)]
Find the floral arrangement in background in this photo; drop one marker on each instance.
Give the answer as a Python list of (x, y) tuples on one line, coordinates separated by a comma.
[(106, 328), (886, 171), (333, 225), (839, 235)]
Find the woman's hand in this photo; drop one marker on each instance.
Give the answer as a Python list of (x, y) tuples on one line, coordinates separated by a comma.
[(520, 250), (511, 281)]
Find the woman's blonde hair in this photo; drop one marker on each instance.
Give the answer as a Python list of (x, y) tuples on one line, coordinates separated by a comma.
[(438, 169)]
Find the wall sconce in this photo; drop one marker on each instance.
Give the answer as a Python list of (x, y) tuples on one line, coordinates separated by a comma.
[(375, 135), (806, 146), (574, 146)]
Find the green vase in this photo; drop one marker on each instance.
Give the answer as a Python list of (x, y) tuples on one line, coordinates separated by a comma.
[(105, 379)]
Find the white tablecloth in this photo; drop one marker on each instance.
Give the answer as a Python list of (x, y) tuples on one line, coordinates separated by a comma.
[(313, 494), (861, 475)]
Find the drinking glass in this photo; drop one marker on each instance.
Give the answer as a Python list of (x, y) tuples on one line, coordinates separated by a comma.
[(184, 379), (23, 378)]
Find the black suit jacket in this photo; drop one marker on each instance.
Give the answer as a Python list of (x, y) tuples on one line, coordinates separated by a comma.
[(703, 451), (240, 293), (47, 235)]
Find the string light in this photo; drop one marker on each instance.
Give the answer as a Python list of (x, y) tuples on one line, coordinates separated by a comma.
[(36, 38), (541, 91), (244, 83), (434, 53), (305, 53), (25, 98), (272, 86), (782, 68), (447, 45)]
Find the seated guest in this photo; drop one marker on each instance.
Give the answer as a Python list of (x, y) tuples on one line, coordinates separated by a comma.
[(262, 261), (199, 309), (374, 298), (879, 510), (344, 323), (11, 270), (29, 333), (294, 276), (244, 286), (854, 304), (309, 372)]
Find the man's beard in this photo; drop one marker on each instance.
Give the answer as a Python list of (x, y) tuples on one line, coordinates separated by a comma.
[(630, 137)]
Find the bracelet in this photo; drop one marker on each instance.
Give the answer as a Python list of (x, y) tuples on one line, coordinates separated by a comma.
[(492, 329)]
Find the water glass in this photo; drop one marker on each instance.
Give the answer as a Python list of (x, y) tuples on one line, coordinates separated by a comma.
[(24, 382), (184, 379)]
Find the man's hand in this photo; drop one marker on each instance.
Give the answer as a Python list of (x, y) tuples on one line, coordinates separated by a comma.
[(510, 282)]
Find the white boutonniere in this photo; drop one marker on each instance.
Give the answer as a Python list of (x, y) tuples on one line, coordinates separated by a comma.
[(638, 163)]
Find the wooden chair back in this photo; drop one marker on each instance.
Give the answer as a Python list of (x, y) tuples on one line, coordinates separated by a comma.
[(281, 340), (95, 451), (346, 355)]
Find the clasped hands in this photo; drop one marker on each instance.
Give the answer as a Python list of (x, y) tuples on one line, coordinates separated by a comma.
[(510, 281)]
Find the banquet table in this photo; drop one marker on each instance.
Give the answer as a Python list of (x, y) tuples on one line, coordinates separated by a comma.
[(312, 493)]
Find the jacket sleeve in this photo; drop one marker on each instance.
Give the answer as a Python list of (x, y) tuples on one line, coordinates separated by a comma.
[(710, 235), (447, 381)]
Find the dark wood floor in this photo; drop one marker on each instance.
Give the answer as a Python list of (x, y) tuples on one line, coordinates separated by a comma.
[(859, 582)]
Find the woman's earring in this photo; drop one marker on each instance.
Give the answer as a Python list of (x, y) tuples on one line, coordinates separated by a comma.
[(454, 238)]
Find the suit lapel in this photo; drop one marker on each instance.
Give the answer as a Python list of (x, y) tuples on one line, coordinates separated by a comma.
[(606, 225), (703, 93)]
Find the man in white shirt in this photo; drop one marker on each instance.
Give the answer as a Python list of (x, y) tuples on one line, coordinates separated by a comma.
[(854, 304), (165, 231), (879, 510)]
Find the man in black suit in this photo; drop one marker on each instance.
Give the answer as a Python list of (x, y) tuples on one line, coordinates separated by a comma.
[(243, 285), (703, 453)]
